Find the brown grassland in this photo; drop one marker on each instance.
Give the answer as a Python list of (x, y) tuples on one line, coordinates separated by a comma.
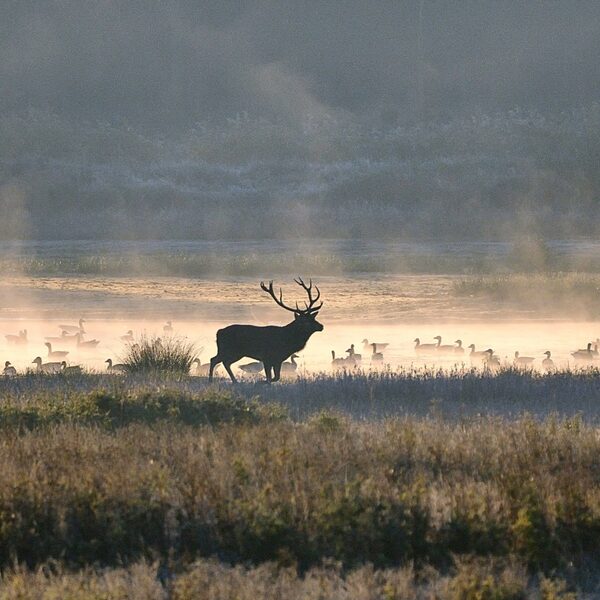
[(160, 493)]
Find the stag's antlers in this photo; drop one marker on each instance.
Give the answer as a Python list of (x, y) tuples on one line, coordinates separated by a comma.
[(310, 305), (271, 293), (310, 308)]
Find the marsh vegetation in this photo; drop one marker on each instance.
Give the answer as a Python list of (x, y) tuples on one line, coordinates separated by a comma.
[(214, 488)]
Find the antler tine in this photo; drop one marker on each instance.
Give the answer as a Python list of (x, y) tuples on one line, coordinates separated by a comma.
[(271, 292), (318, 293), (310, 305), (300, 281)]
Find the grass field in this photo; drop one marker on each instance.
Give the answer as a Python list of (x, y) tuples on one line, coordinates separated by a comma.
[(383, 485), (404, 480)]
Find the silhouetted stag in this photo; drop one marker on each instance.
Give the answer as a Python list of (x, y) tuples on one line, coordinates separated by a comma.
[(272, 344)]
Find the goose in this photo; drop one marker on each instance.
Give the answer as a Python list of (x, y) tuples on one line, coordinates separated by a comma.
[(376, 356), (522, 361), (74, 328), (492, 362), (337, 363), (548, 363), (352, 356), (168, 328), (69, 339), (9, 370), (445, 349), (48, 368), (583, 355), (86, 345), (128, 337), (479, 355), (424, 348), (118, 368), (290, 367), (71, 369), (253, 367), (458, 349), (19, 339), (203, 369), (55, 353), (367, 345)]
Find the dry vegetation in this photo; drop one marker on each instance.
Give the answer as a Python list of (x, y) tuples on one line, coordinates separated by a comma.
[(164, 355), (211, 579), (166, 489), (550, 293)]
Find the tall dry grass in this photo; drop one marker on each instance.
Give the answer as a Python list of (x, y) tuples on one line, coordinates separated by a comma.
[(483, 579), (165, 355), (402, 491)]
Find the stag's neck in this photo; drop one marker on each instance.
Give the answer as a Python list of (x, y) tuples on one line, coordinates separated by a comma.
[(296, 336)]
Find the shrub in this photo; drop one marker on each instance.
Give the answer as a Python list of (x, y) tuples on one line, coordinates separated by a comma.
[(168, 355)]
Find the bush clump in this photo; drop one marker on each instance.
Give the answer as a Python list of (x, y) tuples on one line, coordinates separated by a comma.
[(168, 355)]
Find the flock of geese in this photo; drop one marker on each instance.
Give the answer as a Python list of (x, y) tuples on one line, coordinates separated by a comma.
[(485, 358), (371, 349), (56, 360)]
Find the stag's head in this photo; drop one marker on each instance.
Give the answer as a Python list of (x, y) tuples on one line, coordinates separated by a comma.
[(304, 318)]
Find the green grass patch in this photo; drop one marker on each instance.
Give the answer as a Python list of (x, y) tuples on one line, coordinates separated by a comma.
[(110, 409)]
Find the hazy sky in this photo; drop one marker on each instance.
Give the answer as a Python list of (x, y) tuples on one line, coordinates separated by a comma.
[(171, 63)]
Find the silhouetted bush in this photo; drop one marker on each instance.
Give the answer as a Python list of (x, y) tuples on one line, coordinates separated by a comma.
[(167, 355)]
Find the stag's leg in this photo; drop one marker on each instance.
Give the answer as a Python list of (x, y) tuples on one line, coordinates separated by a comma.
[(214, 361), (277, 369), (268, 368), (227, 366)]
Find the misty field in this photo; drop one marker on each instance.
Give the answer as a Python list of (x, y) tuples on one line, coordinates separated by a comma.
[(392, 485), (422, 477), (169, 169)]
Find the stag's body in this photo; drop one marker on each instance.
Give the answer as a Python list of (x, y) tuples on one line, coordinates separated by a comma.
[(270, 345)]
